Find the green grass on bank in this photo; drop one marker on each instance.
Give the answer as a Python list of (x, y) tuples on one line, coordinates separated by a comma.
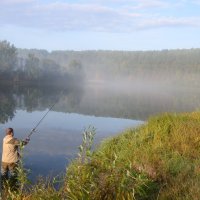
[(156, 161), (159, 160)]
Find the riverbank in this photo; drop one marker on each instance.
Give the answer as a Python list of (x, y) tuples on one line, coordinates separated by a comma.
[(158, 160)]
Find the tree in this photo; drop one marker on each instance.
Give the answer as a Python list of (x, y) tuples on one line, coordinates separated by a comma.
[(75, 69), (32, 67), (8, 57)]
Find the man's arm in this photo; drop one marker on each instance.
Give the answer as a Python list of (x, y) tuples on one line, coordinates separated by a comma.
[(14, 141), (17, 142)]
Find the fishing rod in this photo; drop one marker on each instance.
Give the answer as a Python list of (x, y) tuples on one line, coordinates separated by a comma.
[(33, 130)]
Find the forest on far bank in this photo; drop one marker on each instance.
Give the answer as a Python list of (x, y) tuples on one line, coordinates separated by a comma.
[(172, 66), (32, 69)]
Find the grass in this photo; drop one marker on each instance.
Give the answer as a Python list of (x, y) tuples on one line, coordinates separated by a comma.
[(159, 160), (156, 161)]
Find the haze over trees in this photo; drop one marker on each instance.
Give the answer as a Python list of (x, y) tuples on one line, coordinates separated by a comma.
[(33, 69), (171, 66), (8, 57), (167, 65)]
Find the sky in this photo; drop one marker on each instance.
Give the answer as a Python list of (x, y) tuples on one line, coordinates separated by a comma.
[(101, 24)]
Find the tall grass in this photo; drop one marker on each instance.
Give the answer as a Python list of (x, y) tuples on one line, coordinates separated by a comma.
[(159, 160), (22, 189)]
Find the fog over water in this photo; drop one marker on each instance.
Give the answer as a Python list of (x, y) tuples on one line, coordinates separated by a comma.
[(110, 108)]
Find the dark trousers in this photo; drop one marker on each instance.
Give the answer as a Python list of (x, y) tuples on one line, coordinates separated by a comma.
[(8, 174)]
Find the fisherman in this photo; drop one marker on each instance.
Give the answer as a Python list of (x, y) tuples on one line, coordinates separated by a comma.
[(10, 158)]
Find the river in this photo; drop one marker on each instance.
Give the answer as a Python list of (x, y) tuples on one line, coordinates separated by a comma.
[(109, 109)]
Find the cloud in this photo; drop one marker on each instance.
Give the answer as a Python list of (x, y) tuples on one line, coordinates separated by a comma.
[(152, 4), (91, 16), (137, 3), (196, 2), (64, 16), (8, 2), (170, 22)]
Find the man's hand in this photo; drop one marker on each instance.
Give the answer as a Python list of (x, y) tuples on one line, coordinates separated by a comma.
[(26, 141)]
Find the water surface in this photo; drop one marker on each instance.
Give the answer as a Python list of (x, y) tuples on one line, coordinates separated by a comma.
[(109, 109)]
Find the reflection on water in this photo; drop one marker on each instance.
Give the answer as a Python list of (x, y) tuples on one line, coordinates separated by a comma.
[(132, 103), (57, 139), (108, 109)]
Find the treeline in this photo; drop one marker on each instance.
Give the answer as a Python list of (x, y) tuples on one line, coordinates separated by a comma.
[(165, 65), (34, 69), (174, 66)]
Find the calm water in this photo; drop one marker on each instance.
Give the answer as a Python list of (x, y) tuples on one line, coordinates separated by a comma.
[(109, 109)]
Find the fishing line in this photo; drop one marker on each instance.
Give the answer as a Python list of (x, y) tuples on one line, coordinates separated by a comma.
[(34, 129)]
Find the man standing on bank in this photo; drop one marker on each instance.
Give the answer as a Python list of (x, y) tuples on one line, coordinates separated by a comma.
[(10, 158)]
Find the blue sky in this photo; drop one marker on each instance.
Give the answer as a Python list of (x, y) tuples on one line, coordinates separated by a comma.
[(101, 24)]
